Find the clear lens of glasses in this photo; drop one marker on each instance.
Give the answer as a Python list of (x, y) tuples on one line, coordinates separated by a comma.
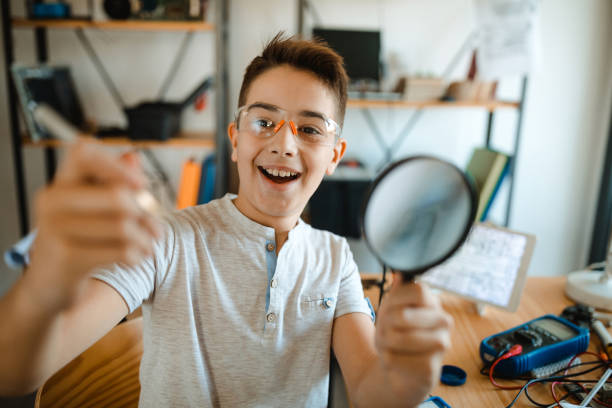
[(310, 129)]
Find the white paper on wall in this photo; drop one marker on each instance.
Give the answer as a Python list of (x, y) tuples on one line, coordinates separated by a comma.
[(507, 37)]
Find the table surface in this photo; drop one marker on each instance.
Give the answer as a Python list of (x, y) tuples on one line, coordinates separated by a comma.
[(542, 295)]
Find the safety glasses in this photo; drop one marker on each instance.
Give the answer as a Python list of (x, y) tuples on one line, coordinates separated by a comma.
[(264, 120)]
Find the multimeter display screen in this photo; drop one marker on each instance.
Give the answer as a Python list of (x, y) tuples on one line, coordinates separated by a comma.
[(554, 327)]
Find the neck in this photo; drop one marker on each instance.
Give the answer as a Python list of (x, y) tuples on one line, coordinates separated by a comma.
[(281, 224)]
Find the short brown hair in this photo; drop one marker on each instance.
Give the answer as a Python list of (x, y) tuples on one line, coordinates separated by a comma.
[(313, 56)]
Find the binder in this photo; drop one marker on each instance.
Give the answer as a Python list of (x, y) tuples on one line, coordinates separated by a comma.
[(487, 168), (187, 195), (207, 180)]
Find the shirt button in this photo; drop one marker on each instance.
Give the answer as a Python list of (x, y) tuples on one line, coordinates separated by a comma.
[(270, 247), (328, 303), (271, 317), (274, 283)]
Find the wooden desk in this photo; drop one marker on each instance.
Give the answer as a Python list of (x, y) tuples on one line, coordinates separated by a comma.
[(542, 295)]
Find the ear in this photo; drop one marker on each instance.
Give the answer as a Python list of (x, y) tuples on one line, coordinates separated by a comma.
[(232, 133), (339, 150)]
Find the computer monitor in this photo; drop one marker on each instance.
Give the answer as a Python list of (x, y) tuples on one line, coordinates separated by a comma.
[(51, 85), (360, 50)]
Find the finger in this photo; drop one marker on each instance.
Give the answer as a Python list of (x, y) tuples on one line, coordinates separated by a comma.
[(415, 341), (411, 294), (408, 318), (131, 158), (89, 162), (113, 230), (92, 200)]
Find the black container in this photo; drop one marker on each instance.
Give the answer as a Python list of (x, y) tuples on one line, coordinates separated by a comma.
[(160, 120), (154, 120)]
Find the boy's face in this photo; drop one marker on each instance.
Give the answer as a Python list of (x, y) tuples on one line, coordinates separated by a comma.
[(261, 196)]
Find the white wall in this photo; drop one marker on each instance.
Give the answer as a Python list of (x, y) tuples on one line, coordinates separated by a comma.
[(566, 114), (565, 121)]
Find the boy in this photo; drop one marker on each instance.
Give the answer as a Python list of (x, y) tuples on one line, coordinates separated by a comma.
[(241, 299)]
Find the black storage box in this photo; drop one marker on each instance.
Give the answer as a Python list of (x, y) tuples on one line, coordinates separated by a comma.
[(160, 120), (154, 120)]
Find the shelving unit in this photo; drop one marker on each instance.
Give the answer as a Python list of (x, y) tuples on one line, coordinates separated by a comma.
[(385, 104), (208, 140), (182, 140), (490, 106), (137, 25)]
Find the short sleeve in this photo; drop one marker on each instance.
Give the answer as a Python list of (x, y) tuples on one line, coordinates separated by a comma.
[(350, 293), (137, 283)]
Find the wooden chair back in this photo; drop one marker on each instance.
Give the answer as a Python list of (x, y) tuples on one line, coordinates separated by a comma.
[(104, 375)]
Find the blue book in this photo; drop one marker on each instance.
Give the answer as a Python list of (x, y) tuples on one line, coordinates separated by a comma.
[(487, 168), (207, 180), (496, 189)]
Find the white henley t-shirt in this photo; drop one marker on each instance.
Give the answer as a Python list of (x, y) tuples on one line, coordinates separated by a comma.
[(227, 322)]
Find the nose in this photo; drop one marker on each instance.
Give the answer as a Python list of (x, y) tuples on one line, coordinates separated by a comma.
[(283, 142)]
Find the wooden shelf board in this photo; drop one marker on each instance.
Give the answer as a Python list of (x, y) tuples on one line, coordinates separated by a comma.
[(488, 105), (142, 25), (182, 140)]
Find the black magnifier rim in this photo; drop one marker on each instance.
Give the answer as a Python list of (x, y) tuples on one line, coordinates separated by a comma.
[(466, 231)]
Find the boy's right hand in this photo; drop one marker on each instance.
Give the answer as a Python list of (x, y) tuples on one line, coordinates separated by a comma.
[(87, 218)]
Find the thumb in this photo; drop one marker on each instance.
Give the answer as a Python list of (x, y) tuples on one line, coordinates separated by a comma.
[(131, 158)]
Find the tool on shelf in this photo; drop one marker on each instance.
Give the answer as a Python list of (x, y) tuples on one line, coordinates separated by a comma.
[(161, 120)]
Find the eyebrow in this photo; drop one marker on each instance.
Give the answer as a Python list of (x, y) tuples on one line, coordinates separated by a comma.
[(264, 105), (313, 114), (274, 108)]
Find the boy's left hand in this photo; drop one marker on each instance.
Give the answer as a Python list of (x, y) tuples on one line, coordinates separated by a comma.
[(412, 334)]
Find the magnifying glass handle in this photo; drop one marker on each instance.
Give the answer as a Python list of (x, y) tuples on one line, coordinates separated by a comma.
[(405, 278)]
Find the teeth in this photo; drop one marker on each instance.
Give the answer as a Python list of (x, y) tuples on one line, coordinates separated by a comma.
[(281, 173)]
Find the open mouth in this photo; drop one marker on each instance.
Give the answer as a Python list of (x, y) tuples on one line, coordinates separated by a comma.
[(279, 176)]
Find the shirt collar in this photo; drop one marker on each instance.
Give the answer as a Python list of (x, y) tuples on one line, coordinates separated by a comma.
[(254, 227)]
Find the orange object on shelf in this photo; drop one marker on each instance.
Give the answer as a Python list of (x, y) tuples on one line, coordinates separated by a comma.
[(187, 195)]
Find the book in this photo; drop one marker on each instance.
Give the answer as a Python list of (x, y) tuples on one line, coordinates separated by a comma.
[(485, 213), (487, 168), (207, 180), (187, 195)]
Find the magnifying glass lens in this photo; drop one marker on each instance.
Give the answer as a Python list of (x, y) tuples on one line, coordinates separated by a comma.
[(418, 213)]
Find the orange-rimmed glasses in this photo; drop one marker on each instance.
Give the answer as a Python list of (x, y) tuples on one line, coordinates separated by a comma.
[(264, 120)]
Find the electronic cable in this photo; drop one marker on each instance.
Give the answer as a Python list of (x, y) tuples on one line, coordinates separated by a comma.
[(539, 404), (555, 378), (382, 285), (514, 351), (569, 365), (565, 378)]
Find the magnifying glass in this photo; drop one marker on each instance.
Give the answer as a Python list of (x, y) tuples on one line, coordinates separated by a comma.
[(417, 213)]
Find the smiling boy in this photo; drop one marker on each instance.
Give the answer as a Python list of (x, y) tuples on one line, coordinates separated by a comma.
[(242, 301)]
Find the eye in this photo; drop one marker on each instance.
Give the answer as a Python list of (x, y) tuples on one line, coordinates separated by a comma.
[(264, 123), (309, 130)]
